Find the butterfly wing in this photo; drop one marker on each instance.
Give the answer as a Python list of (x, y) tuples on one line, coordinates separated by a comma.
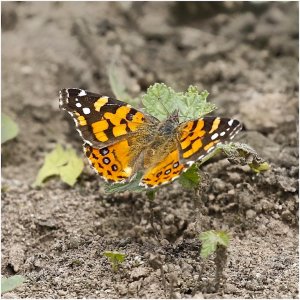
[(113, 163), (197, 138), (101, 120), (164, 172)]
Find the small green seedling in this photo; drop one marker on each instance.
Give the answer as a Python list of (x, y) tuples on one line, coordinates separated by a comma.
[(243, 154), (10, 283), (191, 178), (215, 242), (115, 258), (9, 128), (60, 162), (211, 239)]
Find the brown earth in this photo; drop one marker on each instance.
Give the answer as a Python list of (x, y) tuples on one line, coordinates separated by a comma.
[(245, 55)]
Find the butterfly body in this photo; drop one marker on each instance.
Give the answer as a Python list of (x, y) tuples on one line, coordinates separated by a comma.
[(121, 140)]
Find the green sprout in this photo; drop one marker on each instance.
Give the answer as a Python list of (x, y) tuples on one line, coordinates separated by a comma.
[(211, 240), (115, 259), (10, 283), (215, 242)]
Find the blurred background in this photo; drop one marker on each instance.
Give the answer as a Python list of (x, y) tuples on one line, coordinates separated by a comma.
[(245, 54)]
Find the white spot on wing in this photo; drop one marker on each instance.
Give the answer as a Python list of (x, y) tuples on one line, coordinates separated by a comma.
[(222, 133), (214, 136), (86, 110), (78, 104), (230, 122), (82, 93), (175, 178), (210, 149), (201, 156)]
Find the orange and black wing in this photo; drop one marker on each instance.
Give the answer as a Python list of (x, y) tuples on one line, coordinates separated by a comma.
[(113, 163), (164, 172), (197, 138), (101, 120)]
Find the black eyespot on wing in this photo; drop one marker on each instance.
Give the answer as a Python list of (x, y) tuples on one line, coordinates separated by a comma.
[(104, 151), (106, 160)]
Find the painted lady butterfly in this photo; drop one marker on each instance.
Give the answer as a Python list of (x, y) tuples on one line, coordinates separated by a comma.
[(121, 140)]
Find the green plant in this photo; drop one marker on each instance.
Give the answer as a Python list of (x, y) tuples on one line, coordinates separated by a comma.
[(210, 241), (115, 258), (60, 162), (9, 128), (10, 283), (215, 242)]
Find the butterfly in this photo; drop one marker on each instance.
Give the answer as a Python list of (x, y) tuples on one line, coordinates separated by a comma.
[(120, 141)]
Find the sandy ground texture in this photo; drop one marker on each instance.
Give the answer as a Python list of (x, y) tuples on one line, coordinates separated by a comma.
[(246, 56)]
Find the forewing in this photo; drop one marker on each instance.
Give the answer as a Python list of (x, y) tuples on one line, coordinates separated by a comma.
[(164, 172), (197, 138), (113, 163), (100, 120)]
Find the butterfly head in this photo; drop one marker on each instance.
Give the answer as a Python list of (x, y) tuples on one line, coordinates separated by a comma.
[(170, 124)]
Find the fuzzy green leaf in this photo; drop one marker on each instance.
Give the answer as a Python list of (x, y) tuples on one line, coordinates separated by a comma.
[(191, 178), (9, 128), (64, 163), (10, 283), (211, 239), (193, 104), (161, 101), (132, 185)]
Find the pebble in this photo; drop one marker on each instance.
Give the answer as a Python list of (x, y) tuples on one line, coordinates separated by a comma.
[(250, 214), (16, 256), (139, 272)]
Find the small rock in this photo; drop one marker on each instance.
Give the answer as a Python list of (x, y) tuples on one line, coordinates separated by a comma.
[(177, 295), (62, 293), (218, 185), (16, 256), (169, 219), (231, 289), (10, 296), (122, 289), (198, 295), (250, 214), (73, 242), (139, 272)]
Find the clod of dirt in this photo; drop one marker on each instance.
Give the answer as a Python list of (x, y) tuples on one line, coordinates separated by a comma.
[(16, 256), (274, 104), (139, 272)]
